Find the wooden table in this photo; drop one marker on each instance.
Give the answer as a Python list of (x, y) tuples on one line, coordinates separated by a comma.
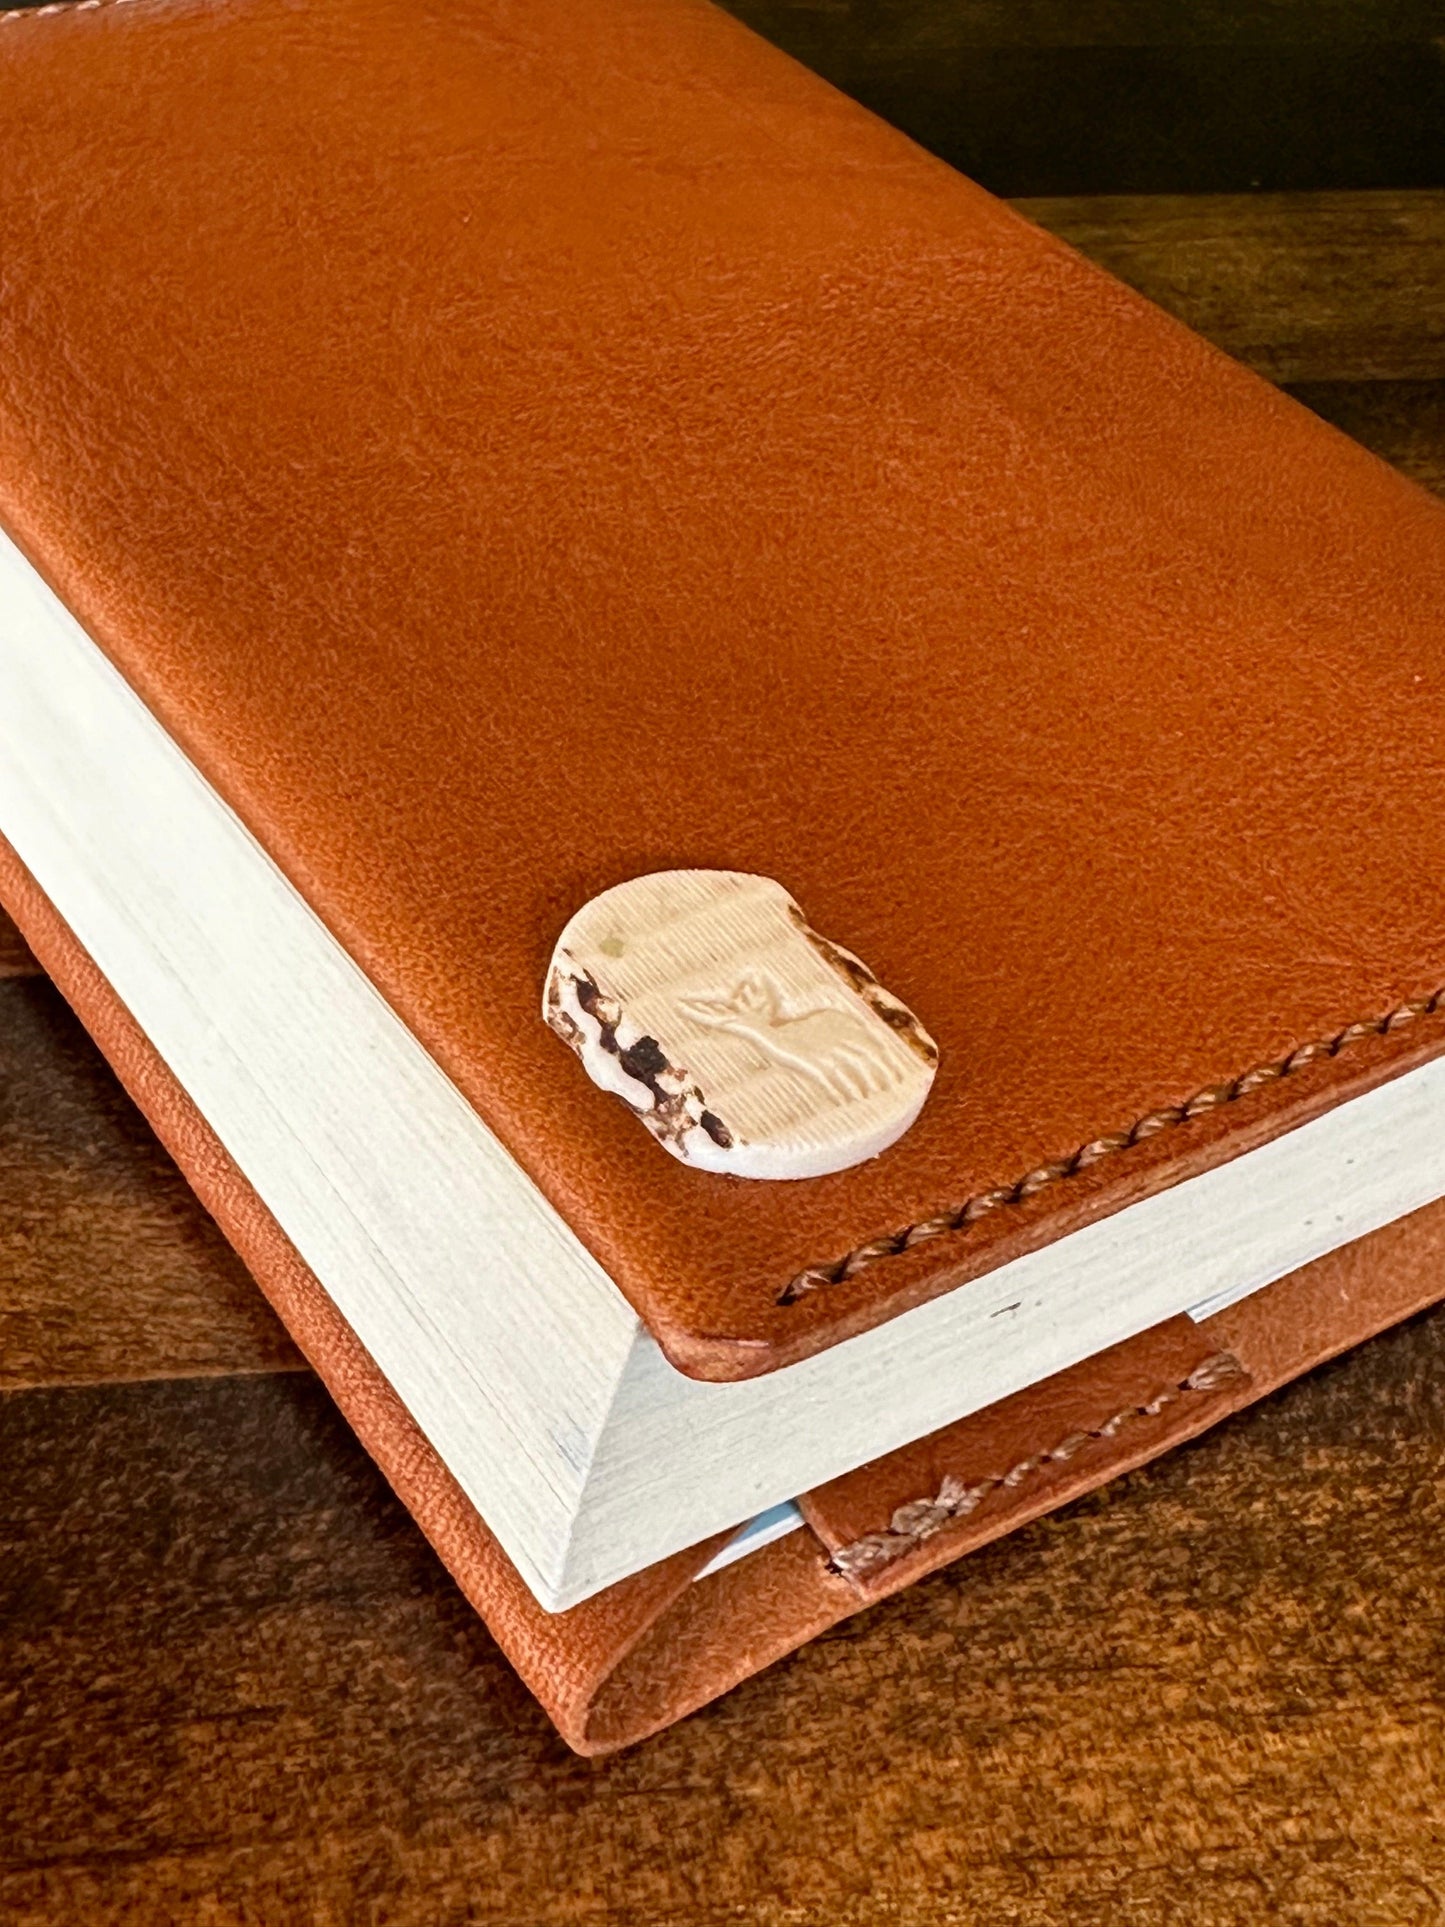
[(234, 1684)]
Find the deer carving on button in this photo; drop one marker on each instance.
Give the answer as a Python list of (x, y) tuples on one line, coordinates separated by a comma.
[(745, 1042), (831, 1046)]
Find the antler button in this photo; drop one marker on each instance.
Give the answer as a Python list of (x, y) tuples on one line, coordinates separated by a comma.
[(743, 1040)]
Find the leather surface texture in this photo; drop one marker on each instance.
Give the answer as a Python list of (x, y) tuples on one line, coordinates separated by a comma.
[(517, 445), (656, 1647)]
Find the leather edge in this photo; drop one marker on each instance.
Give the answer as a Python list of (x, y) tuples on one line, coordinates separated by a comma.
[(656, 1647)]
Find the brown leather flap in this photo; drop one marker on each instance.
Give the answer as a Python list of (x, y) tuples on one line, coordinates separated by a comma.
[(1028, 1453)]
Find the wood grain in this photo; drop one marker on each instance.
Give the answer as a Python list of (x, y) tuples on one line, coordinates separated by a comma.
[(109, 1267), (1305, 288), (1139, 98), (1404, 422), (236, 1687), (877, 32), (15, 957)]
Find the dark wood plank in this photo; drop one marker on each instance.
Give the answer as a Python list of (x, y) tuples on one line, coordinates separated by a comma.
[(15, 957), (1305, 288), (1404, 422), (109, 1268), (1040, 109), (878, 32), (236, 1687)]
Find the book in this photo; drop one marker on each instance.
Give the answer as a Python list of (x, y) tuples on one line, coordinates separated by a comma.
[(460, 468)]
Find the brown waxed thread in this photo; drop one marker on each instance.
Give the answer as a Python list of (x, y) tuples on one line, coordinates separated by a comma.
[(920, 1519), (1168, 1117)]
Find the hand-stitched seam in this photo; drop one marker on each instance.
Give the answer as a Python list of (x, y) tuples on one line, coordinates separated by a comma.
[(1212, 1098), (955, 1499)]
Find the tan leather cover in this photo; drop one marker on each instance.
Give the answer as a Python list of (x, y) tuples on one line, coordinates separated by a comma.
[(652, 1649), (514, 445), (517, 445)]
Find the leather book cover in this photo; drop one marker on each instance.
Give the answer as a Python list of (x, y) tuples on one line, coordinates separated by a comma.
[(512, 448), (644, 1653)]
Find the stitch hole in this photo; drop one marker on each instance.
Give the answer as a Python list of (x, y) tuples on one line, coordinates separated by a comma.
[(929, 1228), (1209, 1099), (1016, 1474), (1356, 1034), (1305, 1055), (980, 1206), (1036, 1180), (1116, 1424), (1100, 1147), (1253, 1080)]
